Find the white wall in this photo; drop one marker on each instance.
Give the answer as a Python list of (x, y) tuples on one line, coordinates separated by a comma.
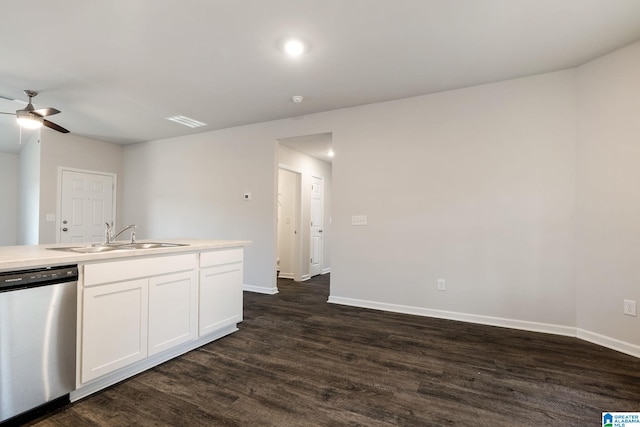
[(307, 167), (608, 197), (76, 152), (9, 198), (29, 192)]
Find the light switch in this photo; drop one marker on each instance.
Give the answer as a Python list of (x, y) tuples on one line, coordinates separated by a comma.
[(51, 217), (358, 220)]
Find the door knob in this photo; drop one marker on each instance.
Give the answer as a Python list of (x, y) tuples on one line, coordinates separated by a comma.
[(319, 231), (65, 229)]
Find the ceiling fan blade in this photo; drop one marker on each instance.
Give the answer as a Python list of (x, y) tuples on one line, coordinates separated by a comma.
[(54, 126), (44, 112), (2, 112), (18, 101)]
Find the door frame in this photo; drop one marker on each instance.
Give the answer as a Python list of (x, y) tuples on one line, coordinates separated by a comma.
[(114, 197), (297, 241)]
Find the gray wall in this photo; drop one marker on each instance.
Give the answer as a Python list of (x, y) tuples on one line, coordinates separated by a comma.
[(608, 197), (72, 151), (474, 186), (8, 198), (29, 192), (193, 187), (489, 187)]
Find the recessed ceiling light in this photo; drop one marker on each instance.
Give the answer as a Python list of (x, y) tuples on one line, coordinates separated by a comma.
[(294, 47), (297, 99), (331, 153), (186, 121)]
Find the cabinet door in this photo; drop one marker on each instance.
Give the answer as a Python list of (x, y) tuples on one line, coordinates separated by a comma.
[(172, 310), (220, 297), (114, 330)]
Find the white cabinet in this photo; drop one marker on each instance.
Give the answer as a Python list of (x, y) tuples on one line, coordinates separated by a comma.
[(140, 311), (114, 327), (124, 321), (172, 310), (220, 301)]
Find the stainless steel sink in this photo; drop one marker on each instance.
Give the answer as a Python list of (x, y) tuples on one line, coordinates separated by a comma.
[(151, 245), (87, 249), (93, 249)]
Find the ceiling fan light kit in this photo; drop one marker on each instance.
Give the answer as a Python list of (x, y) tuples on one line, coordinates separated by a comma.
[(30, 118)]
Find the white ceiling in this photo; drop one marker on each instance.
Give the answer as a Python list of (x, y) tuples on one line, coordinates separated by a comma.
[(317, 145), (117, 68)]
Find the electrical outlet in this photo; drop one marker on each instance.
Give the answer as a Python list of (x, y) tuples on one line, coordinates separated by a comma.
[(630, 307), (441, 285)]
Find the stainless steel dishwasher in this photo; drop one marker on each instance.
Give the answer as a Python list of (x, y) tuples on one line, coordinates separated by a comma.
[(37, 341)]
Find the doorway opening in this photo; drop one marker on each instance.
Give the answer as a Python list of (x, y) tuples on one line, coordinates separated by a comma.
[(304, 207)]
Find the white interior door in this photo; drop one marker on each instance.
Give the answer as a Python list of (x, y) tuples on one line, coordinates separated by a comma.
[(288, 223), (315, 267), (86, 204)]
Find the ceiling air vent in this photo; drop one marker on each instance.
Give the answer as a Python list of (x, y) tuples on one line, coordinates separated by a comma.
[(183, 120)]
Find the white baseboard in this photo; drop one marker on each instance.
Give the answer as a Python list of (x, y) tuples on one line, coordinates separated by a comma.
[(326, 270), (260, 289), (305, 277), (286, 276), (569, 331), (612, 343), (464, 317)]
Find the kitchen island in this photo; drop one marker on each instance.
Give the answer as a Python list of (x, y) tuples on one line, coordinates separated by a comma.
[(138, 308)]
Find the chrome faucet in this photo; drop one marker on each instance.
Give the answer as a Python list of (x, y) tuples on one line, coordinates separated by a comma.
[(110, 237)]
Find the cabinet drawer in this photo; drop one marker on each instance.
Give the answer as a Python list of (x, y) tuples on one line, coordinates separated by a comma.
[(114, 271), (226, 256)]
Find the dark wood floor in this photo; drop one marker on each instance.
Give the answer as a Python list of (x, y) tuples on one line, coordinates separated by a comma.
[(298, 361)]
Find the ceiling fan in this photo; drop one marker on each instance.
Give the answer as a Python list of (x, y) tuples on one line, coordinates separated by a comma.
[(31, 118)]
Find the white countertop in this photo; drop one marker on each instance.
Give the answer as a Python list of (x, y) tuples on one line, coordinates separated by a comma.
[(25, 257)]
